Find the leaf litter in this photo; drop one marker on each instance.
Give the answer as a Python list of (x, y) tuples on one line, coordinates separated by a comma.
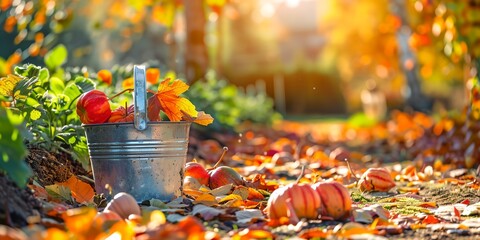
[(435, 194)]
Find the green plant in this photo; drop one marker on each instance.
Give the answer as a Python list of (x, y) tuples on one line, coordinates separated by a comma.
[(229, 105), (12, 148), (46, 102)]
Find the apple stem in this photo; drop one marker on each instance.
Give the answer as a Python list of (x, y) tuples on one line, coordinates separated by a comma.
[(351, 171), (301, 174), (120, 93), (225, 149)]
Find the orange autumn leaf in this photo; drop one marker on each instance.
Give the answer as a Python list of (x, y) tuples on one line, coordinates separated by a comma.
[(430, 219), (316, 233), (189, 227), (121, 230), (202, 118), (254, 194), (168, 100), (79, 220), (81, 192), (254, 234), (55, 233), (39, 191)]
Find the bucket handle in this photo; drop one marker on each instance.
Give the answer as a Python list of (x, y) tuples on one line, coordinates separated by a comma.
[(140, 98)]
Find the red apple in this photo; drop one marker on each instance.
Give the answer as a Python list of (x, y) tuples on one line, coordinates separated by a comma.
[(224, 175), (197, 171), (93, 107)]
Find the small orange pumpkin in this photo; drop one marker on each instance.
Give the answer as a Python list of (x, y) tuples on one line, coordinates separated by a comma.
[(336, 201), (376, 179), (123, 204), (301, 198)]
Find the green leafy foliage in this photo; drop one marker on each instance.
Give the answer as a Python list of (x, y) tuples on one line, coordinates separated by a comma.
[(229, 105), (12, 148), (47, 103)]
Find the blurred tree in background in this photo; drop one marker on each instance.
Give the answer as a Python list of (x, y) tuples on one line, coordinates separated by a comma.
[(327, 50)]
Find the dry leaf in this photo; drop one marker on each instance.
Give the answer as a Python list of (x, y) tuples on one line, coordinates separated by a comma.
[(241, 191), (253, 234), (315, 233), (430, 219), (353, 228), (55, 233), (203, 119), (206, 199), (249, 215), (79, 220), (81, 191), (206, 212), (230, 198), (223, 190), (60, 192), (39, 191)]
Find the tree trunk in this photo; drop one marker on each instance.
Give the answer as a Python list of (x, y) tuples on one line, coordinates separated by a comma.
[(196, 57), (416, 99)]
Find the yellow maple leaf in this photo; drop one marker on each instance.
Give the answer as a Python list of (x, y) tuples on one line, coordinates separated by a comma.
[(8, 83), (168, 100)]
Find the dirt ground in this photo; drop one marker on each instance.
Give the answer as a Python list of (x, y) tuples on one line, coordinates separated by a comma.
[(17, 205)]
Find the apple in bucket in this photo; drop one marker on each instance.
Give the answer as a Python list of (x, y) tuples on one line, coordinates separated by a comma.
[(93, 107)]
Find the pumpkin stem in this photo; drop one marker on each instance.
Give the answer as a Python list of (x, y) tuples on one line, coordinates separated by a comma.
[(301, 174), (225, 149), (120, 93), (351, 172)]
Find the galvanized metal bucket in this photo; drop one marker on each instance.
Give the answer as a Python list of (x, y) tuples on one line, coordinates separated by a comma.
[(145, 159)]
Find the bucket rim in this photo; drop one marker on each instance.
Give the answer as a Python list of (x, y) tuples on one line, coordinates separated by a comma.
[(131, 123)]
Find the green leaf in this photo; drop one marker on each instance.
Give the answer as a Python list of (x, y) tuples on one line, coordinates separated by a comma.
[(80, 151), (59, 192), (84, 84), (43, 75), (12, 149), (56, 85), (72, 90), (158, 203), (56, 57), (24, 86), (28, 70)]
